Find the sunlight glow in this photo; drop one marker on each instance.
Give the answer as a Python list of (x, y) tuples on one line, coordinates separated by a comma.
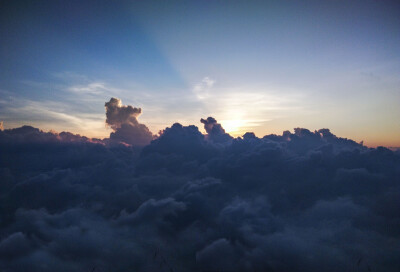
[(232, 125)]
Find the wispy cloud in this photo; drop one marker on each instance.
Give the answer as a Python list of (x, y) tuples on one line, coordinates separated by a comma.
[(244, 111), (239, 109), (245, 108), (93, 88), (202, 89), (47, 114)]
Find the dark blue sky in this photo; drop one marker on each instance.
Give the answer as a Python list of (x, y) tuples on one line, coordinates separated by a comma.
[(256, 66)]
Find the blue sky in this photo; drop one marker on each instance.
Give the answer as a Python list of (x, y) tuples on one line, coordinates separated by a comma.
[(262, 66)]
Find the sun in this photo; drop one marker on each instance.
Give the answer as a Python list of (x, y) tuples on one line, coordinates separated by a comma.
[(232, 126)]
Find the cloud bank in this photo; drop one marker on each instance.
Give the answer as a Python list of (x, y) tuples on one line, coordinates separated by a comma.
[(300, 201)]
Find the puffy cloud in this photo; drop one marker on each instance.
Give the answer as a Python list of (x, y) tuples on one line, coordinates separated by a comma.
[(124, 121), (214, 130), (117, 114), (300, 201), (14, 245)]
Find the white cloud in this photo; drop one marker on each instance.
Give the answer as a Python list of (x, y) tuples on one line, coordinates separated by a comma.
[(93, 88), (202, 89)]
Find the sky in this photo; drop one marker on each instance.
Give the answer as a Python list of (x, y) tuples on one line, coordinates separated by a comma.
[(260, 66), (184, 161)]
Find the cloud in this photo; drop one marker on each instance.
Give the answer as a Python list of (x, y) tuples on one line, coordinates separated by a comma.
[(124, 121), (202, 89), (214, 130), (94, 88), (117, 114), (298, 201), (48, 114)]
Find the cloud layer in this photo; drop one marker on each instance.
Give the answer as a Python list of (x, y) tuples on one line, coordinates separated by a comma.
[(301, 201)]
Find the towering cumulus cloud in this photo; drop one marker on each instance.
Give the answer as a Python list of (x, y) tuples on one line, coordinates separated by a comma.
[(124, 121), (300, 201), (215, 131)]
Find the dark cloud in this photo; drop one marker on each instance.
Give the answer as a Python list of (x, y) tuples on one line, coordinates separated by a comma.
[(301, 201), (117, 114), (124, 121), (214, 130)]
